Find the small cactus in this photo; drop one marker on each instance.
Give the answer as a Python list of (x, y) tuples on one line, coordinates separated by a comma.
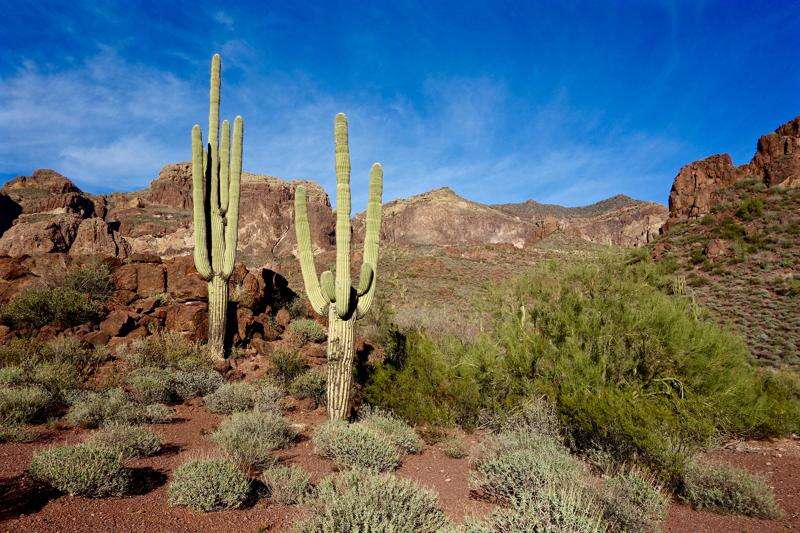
[(333, 294), (216, 174)]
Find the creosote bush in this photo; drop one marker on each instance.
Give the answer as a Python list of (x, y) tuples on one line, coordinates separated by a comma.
[(286, 365), (97, 408), (727, 489), (20, 405), (248, 438), (94, 280), (126, 440), (286, 484), (391, 427), (632, 502), (356, 446), (36, 308), (358, 501), (307, 330), (311, 384), (82, 470), (151, 385), (208, 485)]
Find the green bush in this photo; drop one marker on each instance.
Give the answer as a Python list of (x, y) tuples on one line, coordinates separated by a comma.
[(267, 395), (65, 352), (454, 448), (151, 385), (308, 330), (20, 405), (95, 409), (750, 208), (192, 383), (166, 350), (286, 484), (208, 485), (726, 489), (311, 384), (158, 413), (230, 398), (126, 440), (14, 433), (286, 365), (12, 375), (561, 510), (357, 501), (81, 470), (631, 503), (355, 446), (397, 431), (93, 280), (36, 308), (248, 438), (627, 366)]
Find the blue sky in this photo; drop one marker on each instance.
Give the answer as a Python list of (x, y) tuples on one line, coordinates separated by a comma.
[(559, 101)]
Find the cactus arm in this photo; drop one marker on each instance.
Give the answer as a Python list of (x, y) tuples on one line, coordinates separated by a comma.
[(213, 116), (328, 285), (342, 157), (224, 166), (306, 255), (232, 218), (366, 289), (201, 262)]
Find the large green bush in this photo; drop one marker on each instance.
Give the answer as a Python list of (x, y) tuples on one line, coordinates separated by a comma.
[(23, 404), (208, 485), (356, 446), (36, 308), (82, 470), (248, 438), (357, 501), (628, 366), (126, 440), (93, 280)]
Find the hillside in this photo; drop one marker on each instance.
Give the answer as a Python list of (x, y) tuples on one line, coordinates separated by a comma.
[(734, 235)]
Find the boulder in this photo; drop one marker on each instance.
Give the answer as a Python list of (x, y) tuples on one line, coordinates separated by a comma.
[(151, 279), (40, 234), (118, 323), (94, 237), (183, 281), (190, 318)]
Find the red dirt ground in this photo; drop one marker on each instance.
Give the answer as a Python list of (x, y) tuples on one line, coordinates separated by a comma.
[(27, 507)]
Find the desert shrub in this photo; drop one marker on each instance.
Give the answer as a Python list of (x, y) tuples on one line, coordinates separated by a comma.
[(632, 503), (15, 433), (81, 470), (357, 501), (248, 438), (355, 446), (561, 510), (534, 414), (36, 308), (514, 464), (297, 308), (191, 383), (308, 330), (96, 409), (166, 350), (150, 385), (627, 366), (54, 377), (453, 447), (432, 434), (65, 352), (93, 280), (286, 364), (726, 489), (20, 405), (126, 440), (267, 395), (158, 413), (393, 428), (230, 398), (208, 485), (311, 384), (750, 208), (12, 375), (286, 484)]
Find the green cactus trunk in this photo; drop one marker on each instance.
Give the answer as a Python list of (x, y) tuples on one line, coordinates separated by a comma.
[(333, 294), (216, 176)]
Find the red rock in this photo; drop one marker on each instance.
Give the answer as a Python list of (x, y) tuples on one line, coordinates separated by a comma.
[(717, 248), (283, 318), (183, 281), (693, 191), (125, 277), (97, 338), (190, 318), (314, 354), (146, 305), (11, 269), (151, 279), (47, 190), (118, 323), (94, 237), (32, 234)]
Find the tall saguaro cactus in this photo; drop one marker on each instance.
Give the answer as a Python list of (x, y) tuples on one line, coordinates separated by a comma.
[(216, 173), (333, 294)]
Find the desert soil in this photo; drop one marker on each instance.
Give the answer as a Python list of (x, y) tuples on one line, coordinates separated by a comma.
[(26, 506)]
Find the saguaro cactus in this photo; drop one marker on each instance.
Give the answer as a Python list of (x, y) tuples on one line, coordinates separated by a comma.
[(216, 173), (333, 294)]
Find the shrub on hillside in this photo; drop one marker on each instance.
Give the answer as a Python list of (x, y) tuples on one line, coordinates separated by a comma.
[(11, 376), (750, 208), (93, 280), (454, 448), (19, 405), (97, 408), (151, 385), (632, 503), (286, 365), (727, 489), (15, 433), (307, 330), (311, 384), (357, 501), (81, 470), (68, 353), (286, 484), (126, 440), (248, 438), (230, 398), (192, 383), (355, 446), (166, 350), (36, 308), (393, 428), (627, 366), (208, 485), (158, 413)]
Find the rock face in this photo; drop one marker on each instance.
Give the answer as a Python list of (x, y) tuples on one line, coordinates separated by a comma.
[(48, 191), (697, 186), (442, 218), (95, 237), (40, 234)]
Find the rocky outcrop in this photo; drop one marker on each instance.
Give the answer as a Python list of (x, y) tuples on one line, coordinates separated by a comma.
[(95, 237), (40, 234), (48, 191), (697, 187)]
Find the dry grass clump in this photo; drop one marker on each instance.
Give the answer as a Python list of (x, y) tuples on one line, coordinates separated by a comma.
[(95, 409), (633, 502)]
